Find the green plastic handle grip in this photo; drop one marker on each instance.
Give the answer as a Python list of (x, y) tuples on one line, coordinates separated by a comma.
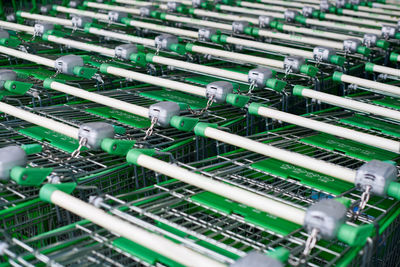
[(29, 176), (354, 235), (393, 190), (117, 146), (182, 123), (19, 88)]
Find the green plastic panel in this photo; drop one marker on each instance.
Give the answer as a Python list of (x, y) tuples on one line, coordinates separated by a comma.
[(60, 141), (249, 214), (199, 242), (388, 102), (143, 253), (43, 74), (307, 177), (179, 97), (374, 124), (349, 147), (121, 116)]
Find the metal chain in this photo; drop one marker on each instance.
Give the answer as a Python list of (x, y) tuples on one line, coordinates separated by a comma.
[(251, 87), (55, 74), (363, 202), (310, 244), (288, 71), (35, 33), (74, 28), (77, 152), (150, 130), (319, 60), (200, 112), (158, 48)]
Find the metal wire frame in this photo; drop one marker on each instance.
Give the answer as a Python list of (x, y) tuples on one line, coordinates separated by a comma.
[(170, 204), (82, 244)]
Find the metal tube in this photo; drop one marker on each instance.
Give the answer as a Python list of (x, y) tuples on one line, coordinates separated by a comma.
[(97, 98), (357, 136), (122, 36), (387, 70), (55, 20), (154, 242), (237, 56), (179, 86), (83, 46), (129, 10), (270, 47), (201, 68), (16, 27), (301, 39), (26, 56), (240, 195), (81, 12), (391, 89), (250, 11), (342, 26), (351, 104), (40, 120), (298, 159)]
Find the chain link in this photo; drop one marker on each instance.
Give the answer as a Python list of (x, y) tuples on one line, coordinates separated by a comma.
[(77, 152), (363, 202), (251, 87), (150, 130), (288, 71), (310, 244), (200, 112), (158, 48), (55, 74), (319, 60)]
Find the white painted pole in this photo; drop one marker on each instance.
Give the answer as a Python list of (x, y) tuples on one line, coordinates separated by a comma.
[(382, 87), (234, 193), (129, 10), (342, 26), (201, 68), (224, 16), (237, 56), (374, 16), (386, 6), (250, 11), (179, 86), (358, 21), (134, 2), (162, 28), (82, 46), (351, 104), (357, 136), (301, 39), (16, 27), (122, 36), (85, 13), (185, 2), (288, 4), (384, 11), (199, 22), (265, 7), (386, 70), (97, 98), (314, 32), (152, 241), (297, 159), (55, 20), (40, 120), (270, 47), (26, 56)]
